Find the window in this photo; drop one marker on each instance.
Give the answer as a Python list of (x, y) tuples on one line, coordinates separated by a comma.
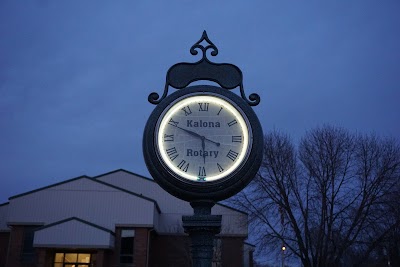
[(126, 252), (74, 260), (28, 251)]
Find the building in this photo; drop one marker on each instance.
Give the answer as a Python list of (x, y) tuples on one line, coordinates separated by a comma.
[(114, 219)]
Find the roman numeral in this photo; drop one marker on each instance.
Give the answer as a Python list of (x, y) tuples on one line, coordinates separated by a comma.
[(183, 165), (168, 137), (203, 106), (220, 110), (232, 155), (187, 110), (172, 153), (220, 169), (236, 139), (173, 123), (232, 123), (202, 172)]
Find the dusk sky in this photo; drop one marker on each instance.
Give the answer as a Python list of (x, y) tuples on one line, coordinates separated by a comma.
[(75, 75)]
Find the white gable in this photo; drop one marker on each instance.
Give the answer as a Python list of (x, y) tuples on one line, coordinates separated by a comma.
[(73, 233), (148, 188), (172, 208), (85, 198)]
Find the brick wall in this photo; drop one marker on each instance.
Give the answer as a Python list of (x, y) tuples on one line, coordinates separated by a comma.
[(165, 250), (4, 239), (169, 250), (232, 251), (15, 247), (44, 257), (140, 247)]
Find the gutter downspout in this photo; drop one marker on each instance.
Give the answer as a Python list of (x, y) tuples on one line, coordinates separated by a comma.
[(148, 246)]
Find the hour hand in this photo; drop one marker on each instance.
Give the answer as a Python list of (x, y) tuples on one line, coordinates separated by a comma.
[(203, 146), (211, 141)]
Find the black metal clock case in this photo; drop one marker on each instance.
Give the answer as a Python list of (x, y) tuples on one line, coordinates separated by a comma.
[(212, 190), (179, 76)]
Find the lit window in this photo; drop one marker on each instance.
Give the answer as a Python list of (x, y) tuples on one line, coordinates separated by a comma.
[(73, 259)]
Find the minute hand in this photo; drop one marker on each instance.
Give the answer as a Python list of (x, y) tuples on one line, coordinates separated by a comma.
[(190, 132), (197, 135)]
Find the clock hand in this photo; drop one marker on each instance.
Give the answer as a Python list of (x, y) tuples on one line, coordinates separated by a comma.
[(203, 145), (218, 144), (197, 135), (190, 132)]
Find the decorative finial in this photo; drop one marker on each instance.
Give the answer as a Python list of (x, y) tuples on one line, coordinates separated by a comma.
[(228, 76), (204, 40)]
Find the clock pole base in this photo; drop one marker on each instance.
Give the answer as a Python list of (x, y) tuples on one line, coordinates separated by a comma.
[(202, 227)]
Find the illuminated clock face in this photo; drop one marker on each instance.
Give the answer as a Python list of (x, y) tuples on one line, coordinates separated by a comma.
[(203, 138)]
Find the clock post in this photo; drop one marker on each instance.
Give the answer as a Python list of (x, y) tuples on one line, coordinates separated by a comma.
[(202, 228), (203, 143)]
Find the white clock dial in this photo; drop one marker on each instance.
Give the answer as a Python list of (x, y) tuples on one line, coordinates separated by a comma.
[(203, 138)]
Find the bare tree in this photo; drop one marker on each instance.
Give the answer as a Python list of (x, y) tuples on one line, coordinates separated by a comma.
[(326, 200)]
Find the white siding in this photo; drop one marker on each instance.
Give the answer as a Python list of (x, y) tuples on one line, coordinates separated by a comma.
[(246, 254), (83, 198), (172, 208), (147, 187), (170, 223), (233, 222), (73, 234)]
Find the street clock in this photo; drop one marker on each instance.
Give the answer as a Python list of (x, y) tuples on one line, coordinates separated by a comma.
[(203, 142)]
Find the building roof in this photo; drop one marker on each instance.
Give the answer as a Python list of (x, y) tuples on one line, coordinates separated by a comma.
[(234, 222), (83, 177), (85, 198), (73, 233), (98, 177), (116, 198)]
